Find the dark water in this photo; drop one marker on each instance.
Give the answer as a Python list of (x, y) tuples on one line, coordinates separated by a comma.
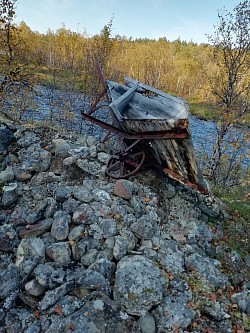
[(204, 137)]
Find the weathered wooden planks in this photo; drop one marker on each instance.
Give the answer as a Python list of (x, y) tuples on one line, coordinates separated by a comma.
[(135, 110)]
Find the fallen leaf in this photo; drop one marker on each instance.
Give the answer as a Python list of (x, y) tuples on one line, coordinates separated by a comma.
[(58, 310), (71, 326), (235, 307), (190, 305), (213, 297), (36, 313)]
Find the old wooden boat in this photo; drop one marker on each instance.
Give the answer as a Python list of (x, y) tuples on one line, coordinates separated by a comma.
[(139, 108), (152, 127)]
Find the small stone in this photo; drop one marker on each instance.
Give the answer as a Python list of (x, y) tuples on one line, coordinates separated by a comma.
[(91, 279), (129, 236), (69, 160), (34, 158), (91, 141), (43, 273), (23, 176), (147, 323), (7, 175), (60, 253), (170, 191), (61, 147), (70, 205), (103, 157), (52, 296), (60, 225), (89, 257), (124, 188), (210, 211), (80, 152), (120, 248), (29, 253), (37, 213), (34, 288), (82, 214), (62, 193), (145, 227), (108, 227), (83, 195), (213, 309), (6, 138), (104, 267), (8, 238), (10, 195), (56, 165), (101, 195), (76, 233), (9, 280), (207, 269), (28, 138), (243, 301)]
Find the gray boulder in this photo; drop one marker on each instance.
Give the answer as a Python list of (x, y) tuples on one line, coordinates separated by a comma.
[(138, 284)]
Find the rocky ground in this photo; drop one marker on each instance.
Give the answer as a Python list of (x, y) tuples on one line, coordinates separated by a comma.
[(83, 253)]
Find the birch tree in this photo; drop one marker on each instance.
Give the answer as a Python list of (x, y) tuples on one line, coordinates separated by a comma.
[(230, 86), (16, 87)]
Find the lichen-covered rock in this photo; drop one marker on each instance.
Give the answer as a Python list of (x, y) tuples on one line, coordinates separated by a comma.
[(34, 288), (242, 300), (174, 311), (52, 296), (7, 175), (60, 226), (59, 252), (29, 253), (8, 238), (9, 280), (206, 268), (10, 194), (146, 227), (170, 257), (99, 314), (61, 147), (138, 284), (34, 158)]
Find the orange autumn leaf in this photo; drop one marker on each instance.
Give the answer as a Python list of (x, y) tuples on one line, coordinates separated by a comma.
[(71, 326), (212, 296), (195, 325), (36, 313), (58, 310), (190, 305)]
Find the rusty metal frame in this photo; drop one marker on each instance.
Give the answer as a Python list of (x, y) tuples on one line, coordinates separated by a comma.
[(183, 180), (168, 134)]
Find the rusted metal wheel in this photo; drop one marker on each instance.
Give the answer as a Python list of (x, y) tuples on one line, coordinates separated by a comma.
[(127, 161)]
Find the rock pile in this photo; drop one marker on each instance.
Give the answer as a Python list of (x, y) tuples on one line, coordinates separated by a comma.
[(84, 253)]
